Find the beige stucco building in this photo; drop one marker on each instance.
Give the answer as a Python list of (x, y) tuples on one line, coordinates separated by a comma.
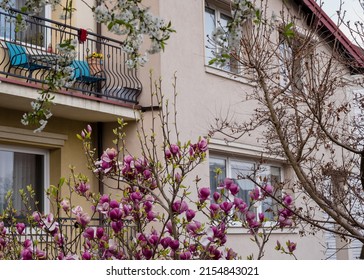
[(204, 93)]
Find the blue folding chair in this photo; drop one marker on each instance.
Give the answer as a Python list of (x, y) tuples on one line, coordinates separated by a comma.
[(20, 59), (83, 74)]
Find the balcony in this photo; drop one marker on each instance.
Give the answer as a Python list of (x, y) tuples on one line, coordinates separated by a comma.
[(74, 239), (26, 57)]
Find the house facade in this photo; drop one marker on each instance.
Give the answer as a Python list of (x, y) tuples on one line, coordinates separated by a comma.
[(205, 92)]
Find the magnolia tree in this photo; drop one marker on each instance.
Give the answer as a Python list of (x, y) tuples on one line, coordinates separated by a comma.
[(152, 212), (306, 111)]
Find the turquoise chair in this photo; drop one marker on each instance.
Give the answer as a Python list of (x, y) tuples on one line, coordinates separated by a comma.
[(19, 58), (83, 74)]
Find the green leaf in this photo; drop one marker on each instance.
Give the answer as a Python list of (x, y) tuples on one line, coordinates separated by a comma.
[(61, 182), (288, 30)]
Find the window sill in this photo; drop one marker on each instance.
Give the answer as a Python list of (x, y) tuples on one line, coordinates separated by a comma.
[(228, 75), (235, 229)]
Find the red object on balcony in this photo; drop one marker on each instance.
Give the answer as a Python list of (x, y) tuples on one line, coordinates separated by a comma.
[(82, 35)]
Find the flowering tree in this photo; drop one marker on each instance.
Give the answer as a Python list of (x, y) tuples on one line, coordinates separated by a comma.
[(152, 212), (301, 84)]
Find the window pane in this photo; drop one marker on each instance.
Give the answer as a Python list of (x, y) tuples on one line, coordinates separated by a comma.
[(217, 172), (273, 176), (35, 33), (239, 171), (18, 170), (210, 25)]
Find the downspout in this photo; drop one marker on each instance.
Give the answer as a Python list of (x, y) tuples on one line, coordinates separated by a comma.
[(100, 126), (98, 32), (100, 148)]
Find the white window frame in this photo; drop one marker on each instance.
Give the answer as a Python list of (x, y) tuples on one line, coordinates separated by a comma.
[(218, 11), (47, 15), (228, 167), (45, 154)]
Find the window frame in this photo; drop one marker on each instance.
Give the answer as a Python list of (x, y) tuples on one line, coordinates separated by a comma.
[(229, 174), (218, 11), (47, 15), (46, 167)]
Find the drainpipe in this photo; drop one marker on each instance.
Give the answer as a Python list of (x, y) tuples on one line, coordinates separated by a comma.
[(100, 144), (98, 32)]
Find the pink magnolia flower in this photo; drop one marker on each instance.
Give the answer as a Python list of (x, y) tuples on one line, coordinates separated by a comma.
[(136, 196), (194, 228), (228, 182), (89, 128), (89, 233), (175, 150), (234, 189), (216, 196), (231, 255), (190, 214), (214, 208), (254, 194), (167, 153), (26, 254), (115, 214), (174, 244), (179, 206), (147, 253), (165, 242), (36, 216), (178, 177), (82, 188), (240, 204), (287, 200), (186, 255), (49, 223), (169, 227), (114, 204), (291, 246), (107, 160), (261, 217), (204, 193), (99, 232), (83, 219), (202, 145), (28, 243), (40, 255), (65, 205), (117, 226), (20, 228), (268, 189), (151, 216), (226, 206), (148, 205), (86, 255)]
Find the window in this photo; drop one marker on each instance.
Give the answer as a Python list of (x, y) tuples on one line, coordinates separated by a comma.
[(19, 168), (292, 56), (216, 18), (36, 31), (238, 170)]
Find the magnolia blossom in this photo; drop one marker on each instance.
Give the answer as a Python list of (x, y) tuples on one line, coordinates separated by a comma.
[(204, 193), (65, 204), (179, 206), (107, 161), (20, 228), (291, 246)]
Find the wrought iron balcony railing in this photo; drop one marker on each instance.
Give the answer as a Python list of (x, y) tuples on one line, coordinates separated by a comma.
[(28, 55), (73, 238)]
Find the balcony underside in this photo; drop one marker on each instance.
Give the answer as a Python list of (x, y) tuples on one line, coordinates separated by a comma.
[(67, 104)]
